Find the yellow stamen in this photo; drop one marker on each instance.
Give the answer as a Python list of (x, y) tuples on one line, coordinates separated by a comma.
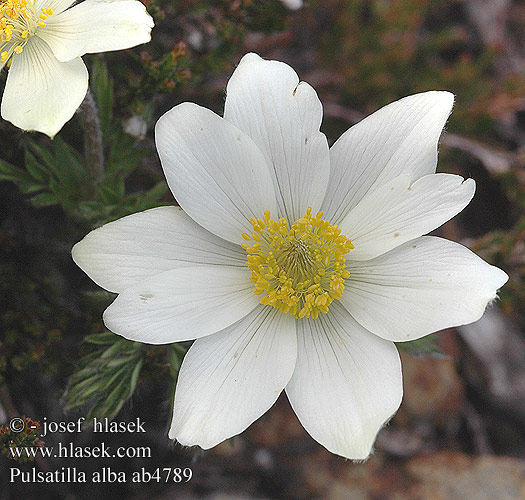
[(19, 20), (301, 269)]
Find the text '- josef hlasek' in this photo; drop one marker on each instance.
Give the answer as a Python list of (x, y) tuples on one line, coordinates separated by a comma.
[(104, 425)]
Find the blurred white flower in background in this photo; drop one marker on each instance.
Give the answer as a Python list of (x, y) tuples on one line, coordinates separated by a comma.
[(135, 126), (42, 40), (278, 295), (292, 4)]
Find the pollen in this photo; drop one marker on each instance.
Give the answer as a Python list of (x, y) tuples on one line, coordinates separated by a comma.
[(299, 270), (19, 20)]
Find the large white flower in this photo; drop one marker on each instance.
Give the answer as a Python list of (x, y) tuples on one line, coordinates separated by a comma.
[(278, 295), (43, 40)]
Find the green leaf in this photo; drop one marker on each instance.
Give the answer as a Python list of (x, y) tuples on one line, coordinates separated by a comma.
[(106, 338), (111, 191), (36, 169), (135, 376), (108, 377), (9, 172), (124, 154), (44, 200), (43, 155)]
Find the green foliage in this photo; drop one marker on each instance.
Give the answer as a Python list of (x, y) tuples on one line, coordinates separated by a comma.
[(157, 76), (220, 26), (55, 172), (108, 374), (107, 377)]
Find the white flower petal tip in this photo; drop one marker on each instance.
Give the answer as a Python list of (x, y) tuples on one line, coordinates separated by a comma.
[(347, 383), (420, 287), (238, 375), (41, 94)]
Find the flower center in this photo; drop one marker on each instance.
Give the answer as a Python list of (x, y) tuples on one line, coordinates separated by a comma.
[(19, 20), (301, 269)]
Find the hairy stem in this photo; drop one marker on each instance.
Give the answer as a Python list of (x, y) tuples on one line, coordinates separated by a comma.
[(93, 145)]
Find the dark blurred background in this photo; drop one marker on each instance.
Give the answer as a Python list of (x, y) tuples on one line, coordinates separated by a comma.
[(460, 432)]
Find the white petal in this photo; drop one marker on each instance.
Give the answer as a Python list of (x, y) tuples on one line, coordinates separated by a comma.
[(131, 249), (42, 93), (346, 384), (282, 116), (420, 287), (182, 304), (400, 138), (230, 379), (57, 6), (215, 171), (398, 212), (97, 26)]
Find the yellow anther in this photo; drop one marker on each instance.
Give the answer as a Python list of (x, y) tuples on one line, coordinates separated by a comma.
[(3, 56), (19, 19), (18, 49), (299, 270)]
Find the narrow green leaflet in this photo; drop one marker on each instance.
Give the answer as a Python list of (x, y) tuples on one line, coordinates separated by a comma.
[(108, 376)]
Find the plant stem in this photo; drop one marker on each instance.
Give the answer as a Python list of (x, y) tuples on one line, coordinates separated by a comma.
[(93, 145)]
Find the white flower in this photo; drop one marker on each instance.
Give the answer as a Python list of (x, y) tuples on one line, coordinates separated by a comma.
[(42, 42), (324, 316), (292, 4), (135, 126)]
